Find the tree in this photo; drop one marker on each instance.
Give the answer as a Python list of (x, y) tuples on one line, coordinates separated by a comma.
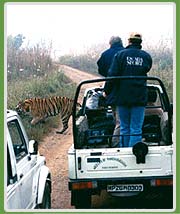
[(15, 42), (23, 62)]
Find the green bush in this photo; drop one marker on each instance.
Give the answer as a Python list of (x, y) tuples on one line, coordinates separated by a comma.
[(56, 84), (81, 62)]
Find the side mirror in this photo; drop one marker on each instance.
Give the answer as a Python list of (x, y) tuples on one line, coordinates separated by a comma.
[(33, 147)]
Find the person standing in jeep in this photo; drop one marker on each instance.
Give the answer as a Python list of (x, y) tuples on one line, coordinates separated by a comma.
[(104, 64), (130, 95), (105, 60)]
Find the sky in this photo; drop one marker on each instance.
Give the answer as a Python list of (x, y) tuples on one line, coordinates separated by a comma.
[(73, 27)]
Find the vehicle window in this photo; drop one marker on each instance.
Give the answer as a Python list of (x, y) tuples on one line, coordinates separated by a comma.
[(18, 140), (153, 98)]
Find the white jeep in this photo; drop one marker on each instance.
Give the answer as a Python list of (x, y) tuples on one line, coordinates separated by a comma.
[(96, 163), (28, 179)]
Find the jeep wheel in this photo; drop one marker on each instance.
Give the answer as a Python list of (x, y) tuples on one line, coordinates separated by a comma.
[(46, 202), (81, 199)]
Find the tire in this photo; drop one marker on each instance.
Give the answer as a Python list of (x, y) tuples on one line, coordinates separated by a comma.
[(81, 199), (46, 201)]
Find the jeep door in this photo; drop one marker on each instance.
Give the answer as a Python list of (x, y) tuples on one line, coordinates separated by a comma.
[(12, 188), (24, 165)]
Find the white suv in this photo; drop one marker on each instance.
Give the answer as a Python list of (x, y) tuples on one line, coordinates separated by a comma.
[(28, 179), (96, 161)]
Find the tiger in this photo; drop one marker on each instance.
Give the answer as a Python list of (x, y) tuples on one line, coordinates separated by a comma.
[(41, 108)]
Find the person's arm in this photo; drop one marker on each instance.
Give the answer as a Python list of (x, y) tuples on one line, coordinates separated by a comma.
[(148, 64), (115, 69), (101, 67)]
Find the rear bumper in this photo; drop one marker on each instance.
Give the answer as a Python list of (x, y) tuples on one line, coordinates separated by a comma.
[(152, 187)]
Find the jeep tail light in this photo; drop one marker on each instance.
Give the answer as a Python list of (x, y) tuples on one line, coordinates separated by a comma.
[(84, 185), (162, 182)]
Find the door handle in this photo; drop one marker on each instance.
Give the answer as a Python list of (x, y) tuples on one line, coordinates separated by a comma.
[(21, 175)]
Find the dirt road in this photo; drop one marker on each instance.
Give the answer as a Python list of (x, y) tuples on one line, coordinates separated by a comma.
[(55, 147)]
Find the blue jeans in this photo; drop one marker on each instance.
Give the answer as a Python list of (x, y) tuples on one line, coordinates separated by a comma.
[(131, 120)]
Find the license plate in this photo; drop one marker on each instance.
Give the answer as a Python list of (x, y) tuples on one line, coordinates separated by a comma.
[(125, 188)]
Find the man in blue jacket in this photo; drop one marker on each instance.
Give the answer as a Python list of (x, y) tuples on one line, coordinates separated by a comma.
[(130, 95), (106, 57), (104, 64)]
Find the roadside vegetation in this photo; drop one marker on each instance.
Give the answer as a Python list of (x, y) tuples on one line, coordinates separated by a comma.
[(31, 72)]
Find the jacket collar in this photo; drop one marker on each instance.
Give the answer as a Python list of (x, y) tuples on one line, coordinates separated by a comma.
[(137, 46), (116, 45)]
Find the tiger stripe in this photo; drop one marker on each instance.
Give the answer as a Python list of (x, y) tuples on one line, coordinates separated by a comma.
[(41, 108)]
